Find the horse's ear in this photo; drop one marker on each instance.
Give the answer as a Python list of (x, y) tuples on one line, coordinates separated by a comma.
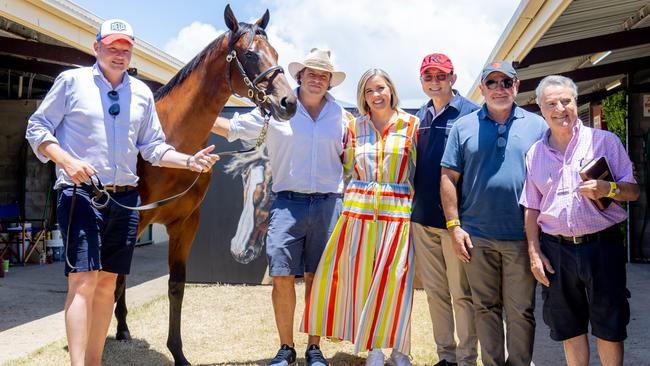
[(231, 21), (264, 20)]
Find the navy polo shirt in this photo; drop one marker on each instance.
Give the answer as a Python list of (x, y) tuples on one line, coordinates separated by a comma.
[(432, 137), (493, 176)]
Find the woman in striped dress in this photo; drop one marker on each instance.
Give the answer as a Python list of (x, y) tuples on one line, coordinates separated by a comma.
[(363, 287)]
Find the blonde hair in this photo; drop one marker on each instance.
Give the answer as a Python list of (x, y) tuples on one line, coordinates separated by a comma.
[(362, 106)]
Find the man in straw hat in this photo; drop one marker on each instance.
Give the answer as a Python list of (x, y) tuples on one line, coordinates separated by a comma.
[(308, 182)]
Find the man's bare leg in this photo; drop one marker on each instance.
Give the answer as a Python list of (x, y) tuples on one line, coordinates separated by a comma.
[(102, 312), (78, 313), (309, 279), (284, 306), (576, 350), (610, 353)]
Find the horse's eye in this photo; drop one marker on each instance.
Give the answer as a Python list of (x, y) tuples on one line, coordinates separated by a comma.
[(250, 54)]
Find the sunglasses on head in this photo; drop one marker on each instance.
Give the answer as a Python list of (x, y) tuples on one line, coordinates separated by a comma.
[(114, 109), (505, 83), (439, 77)]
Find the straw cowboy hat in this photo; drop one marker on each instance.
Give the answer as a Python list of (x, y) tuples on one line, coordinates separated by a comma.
[(319, 60)]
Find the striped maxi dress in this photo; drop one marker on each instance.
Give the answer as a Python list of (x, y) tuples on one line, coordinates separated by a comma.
[(363, 287)]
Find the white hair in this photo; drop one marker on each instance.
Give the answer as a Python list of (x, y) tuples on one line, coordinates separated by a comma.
[(555, 80)]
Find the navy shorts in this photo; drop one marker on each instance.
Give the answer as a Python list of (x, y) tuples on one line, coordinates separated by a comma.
[(100, 239), (299, 227), (589, 286)]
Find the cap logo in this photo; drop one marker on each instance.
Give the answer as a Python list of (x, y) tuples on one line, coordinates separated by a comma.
[(496, 65), (118, 26), (435, 59)]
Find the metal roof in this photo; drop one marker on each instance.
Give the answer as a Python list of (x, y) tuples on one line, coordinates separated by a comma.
[(567, 34)]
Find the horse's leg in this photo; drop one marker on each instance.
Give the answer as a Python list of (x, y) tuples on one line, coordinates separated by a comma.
[(181, 236), (122, 333)]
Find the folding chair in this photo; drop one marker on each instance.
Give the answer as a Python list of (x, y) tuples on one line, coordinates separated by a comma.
[(13, 232)]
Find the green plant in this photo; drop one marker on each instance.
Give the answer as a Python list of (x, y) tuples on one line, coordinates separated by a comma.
[(614, 112)]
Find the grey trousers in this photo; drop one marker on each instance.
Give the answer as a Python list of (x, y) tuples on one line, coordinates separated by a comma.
[(445, 283), (501, 281)]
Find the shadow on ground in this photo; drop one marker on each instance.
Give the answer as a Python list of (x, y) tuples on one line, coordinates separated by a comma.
[(35, 291), (117, 353)]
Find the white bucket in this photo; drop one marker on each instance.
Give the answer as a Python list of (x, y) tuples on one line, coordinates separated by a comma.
[(56, 235), (57, 249)]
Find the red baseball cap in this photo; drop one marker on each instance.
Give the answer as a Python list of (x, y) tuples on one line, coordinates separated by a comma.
[(438, 61)]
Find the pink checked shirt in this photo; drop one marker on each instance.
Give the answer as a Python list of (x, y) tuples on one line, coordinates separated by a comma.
[(552, 182)]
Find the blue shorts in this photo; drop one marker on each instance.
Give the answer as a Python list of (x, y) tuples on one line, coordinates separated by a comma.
[(299, 227), (100, 239)]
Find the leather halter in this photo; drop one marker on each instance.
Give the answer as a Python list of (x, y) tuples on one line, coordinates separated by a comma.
[(257, 96)]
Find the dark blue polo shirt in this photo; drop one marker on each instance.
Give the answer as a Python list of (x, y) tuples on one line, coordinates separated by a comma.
[(432, 137)]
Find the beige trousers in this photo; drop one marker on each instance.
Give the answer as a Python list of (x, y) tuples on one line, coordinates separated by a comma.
[(446, 285), (501, 281)]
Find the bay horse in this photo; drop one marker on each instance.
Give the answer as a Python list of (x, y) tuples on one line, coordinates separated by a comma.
[(241, 62)]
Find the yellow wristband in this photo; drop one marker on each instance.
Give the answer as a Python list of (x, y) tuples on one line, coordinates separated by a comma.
[(452, 223), (613, 187)]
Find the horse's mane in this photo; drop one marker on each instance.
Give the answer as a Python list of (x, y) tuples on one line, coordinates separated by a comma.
[(183, 73), (240, 162)]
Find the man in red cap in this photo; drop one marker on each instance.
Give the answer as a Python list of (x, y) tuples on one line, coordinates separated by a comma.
[(95, 121), (438, 268)]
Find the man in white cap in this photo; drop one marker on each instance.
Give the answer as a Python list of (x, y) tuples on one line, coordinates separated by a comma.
[(79, 126), (308, 182)]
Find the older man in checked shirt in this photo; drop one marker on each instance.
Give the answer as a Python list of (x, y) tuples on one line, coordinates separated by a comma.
[(581, 257)]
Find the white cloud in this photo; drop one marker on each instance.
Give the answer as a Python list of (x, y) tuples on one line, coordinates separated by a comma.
[(391, 35), (376, 33), (191, 40)]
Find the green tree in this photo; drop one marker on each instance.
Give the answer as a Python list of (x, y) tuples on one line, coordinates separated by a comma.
[(614, 112)]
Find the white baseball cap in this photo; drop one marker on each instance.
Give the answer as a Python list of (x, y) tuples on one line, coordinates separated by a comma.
[(112, 30)]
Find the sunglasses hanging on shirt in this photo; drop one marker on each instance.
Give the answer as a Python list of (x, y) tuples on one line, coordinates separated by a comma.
[(114, 109), (501, 139)]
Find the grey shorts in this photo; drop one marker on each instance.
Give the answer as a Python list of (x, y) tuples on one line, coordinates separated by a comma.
[(299, 227)]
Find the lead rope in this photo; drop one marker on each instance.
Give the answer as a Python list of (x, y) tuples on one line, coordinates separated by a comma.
[(67, 232)]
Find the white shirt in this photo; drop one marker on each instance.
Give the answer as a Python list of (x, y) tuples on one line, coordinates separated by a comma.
[(74, 114), (305, 154)]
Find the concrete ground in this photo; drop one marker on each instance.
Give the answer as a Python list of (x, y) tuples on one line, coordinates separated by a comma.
[(32, 297)]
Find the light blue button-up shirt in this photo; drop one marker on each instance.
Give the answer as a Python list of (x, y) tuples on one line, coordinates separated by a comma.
[(74, 114), (305, 154)]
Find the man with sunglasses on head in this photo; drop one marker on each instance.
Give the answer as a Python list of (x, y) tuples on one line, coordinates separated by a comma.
[(437, 266), (92, 124), (487, 149)]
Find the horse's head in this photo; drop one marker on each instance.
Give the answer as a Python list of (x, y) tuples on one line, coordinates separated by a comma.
[(258, 75), (255, 171)]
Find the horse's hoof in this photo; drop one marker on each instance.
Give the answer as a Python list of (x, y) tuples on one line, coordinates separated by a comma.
[(123, 335), (182, 362)]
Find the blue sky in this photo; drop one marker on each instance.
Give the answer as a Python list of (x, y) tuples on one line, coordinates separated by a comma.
[(360, 33)]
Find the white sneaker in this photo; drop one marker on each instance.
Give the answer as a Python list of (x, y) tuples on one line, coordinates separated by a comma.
[(399, 359), (375, 358)]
